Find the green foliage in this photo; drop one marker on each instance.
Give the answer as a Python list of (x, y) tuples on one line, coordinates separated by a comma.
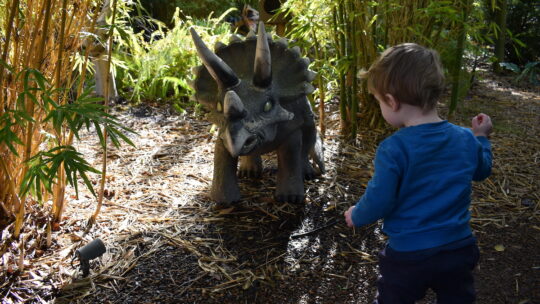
[(45, 166), (522, 47), (523, 23), (530, 72), (351, 33), (8, 120), (87, 111), (310, 31), (164, 10), (202, 9), (158, 70), (12, 118), (522, 29)]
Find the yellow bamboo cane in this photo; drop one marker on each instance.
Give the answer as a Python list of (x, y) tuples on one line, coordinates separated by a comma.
[(12, 11), (30, 111), (58, 204), (93, 218)]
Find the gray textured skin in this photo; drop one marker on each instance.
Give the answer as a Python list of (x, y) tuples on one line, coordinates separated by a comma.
[(257, 112)]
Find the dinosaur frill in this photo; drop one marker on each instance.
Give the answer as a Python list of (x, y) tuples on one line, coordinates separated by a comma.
[(290, 76)]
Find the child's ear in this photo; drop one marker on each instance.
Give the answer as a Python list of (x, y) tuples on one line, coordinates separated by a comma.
[(392, 102)]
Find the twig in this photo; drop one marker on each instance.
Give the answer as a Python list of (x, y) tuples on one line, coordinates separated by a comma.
[(329, 224)]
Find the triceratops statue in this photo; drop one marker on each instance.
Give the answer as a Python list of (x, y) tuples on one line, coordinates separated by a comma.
[(259, 106)]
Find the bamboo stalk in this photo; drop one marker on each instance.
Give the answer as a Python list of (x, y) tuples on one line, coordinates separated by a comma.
[(89, 48), (107, 80), (456, 70), (11, 187), (58, 204), (87, 54), (341, 47), (353, 70), (500, 11), (16, 42), (34, 42), (10, 19), (35, 33), (322, 89), (30, 110), (61, 45)]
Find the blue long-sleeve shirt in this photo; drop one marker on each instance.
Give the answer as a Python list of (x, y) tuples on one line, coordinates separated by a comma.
[(421, 187)]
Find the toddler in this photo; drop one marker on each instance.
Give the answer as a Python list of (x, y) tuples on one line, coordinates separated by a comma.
[(421, 187)]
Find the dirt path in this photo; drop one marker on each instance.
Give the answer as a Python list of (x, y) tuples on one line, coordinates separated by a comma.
[(168, 244)]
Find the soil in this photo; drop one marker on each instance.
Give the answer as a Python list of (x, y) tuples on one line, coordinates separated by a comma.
[(168, 243)]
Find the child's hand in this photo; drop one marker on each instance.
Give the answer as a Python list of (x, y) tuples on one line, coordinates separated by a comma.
[(348, 218), (481, 125)]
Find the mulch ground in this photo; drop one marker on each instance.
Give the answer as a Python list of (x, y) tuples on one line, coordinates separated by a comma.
[(168, 243)]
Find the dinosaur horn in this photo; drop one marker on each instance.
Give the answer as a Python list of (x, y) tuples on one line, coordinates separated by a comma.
[(233, 108), (219, 70), (262, 76)]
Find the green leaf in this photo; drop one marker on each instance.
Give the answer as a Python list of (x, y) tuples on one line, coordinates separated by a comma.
[(37, 175), (7, 136), (39, 78), (531, 65), (511, 66), (7, 66), (86, 111), (43, 169)]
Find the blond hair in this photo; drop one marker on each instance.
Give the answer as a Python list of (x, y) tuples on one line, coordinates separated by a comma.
[(411, 73)]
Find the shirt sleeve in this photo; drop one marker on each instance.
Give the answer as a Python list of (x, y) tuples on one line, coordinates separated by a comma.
[(483, 169), (381, 193)]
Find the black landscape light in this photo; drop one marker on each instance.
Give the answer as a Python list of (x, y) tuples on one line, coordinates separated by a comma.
[(90, 251)]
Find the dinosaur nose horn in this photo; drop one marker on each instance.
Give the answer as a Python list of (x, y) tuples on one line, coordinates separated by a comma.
[(233, 108), (219, 70), (263, 65)]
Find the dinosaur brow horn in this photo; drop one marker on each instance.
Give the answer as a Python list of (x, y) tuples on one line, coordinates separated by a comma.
[(262, 76), (219, 70)]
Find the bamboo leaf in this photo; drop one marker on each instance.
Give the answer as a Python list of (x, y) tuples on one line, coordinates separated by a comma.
[(7, 66), (37, 175), (7, 136), (39, 78), (43, 169), (511, 66)]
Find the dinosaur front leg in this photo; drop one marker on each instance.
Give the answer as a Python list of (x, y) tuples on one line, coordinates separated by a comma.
[(225, 183), (250, 166), (290, 179)]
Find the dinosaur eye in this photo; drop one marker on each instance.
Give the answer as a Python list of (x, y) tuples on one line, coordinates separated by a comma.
[(218, 107), (267, 106)]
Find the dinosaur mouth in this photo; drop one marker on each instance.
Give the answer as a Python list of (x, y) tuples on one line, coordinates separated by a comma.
[(251, 143)]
